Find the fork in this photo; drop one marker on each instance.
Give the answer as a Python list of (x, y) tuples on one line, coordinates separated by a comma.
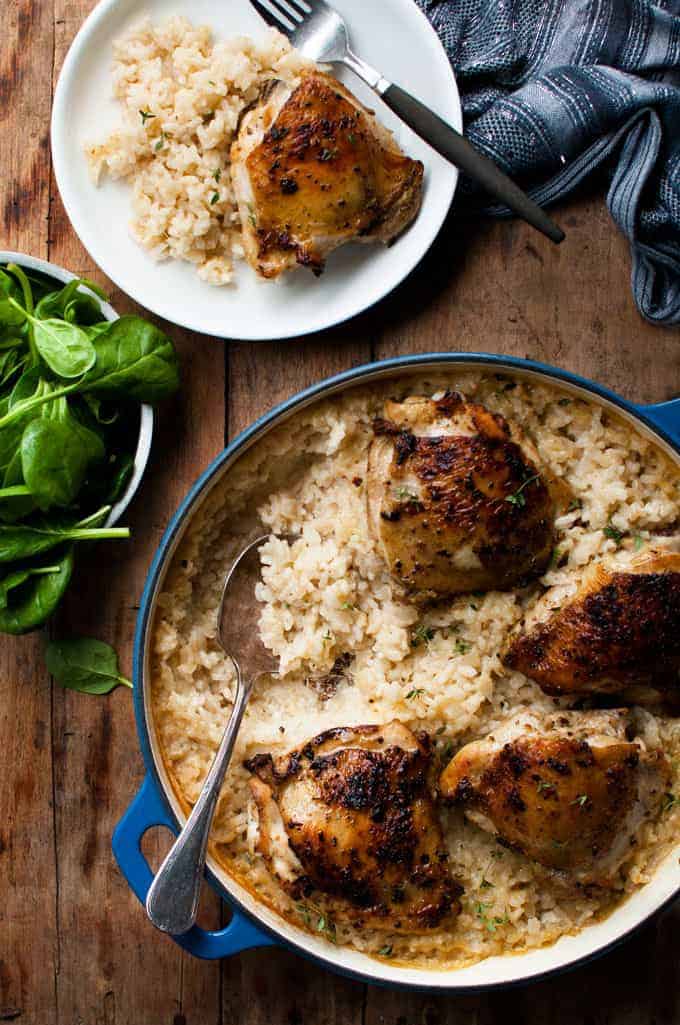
[(319, 33)]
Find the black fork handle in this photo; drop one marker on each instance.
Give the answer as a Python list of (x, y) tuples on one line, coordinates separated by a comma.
[(455, 147)]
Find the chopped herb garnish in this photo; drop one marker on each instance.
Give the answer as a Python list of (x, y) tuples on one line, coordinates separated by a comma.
[(213, 199), (352, 139), (328, 636), (556, 556), (146, 115), (217, 174), (581, 800), (490, 922), (613, 533), (544, 784), (417, 692), (403, 494), (564, 402), (498, 854), (348, 605), (670, 801), (385, 951), (161, 142), (485, 885), (462, 647), (574, 504), (519, 498), (421, 635), (327, 154), (323, 923), (638, 542)]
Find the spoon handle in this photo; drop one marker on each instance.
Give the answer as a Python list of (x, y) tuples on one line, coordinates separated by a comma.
[(172, 900)]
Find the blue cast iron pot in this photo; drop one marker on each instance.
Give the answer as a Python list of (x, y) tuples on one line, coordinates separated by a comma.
[(252, 923)]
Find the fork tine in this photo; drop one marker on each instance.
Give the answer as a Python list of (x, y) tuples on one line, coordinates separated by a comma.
[(301, 7), (273, 17)]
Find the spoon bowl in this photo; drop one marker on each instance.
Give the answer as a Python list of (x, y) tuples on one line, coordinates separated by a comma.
[(172, 901)]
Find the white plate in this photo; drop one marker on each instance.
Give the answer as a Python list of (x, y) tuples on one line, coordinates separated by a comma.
[(392, 34)]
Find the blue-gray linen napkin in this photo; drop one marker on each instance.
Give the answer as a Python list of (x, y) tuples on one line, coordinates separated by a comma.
[(551, 89)]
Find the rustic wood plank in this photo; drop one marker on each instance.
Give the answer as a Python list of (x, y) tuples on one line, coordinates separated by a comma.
[(29, 952), (503, 288)]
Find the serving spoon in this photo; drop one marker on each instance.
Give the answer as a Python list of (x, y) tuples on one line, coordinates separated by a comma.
[(172, 900)]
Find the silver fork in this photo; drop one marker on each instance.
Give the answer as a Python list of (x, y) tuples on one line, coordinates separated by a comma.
[(320, 34)]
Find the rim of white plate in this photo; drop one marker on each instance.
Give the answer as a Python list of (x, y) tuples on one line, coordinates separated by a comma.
[(92, 236)]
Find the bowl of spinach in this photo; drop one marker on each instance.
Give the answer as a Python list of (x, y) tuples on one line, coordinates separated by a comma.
[(77, 390)]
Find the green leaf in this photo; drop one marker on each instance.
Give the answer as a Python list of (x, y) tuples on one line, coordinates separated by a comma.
[(19, 577), (11, 297), (65, 348), (23, 541), (84, 664), (33, 600), (134, 360), (55, 456), (13, 509)]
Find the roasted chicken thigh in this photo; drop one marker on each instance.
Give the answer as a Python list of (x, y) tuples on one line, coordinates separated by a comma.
[(350, 814), (570, 790), (312, 168), (619, 632), (457, 500)]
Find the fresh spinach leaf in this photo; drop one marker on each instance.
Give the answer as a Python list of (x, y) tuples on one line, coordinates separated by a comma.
[(15, 297), (34, 600), (64, 347), (12, 361), (134, 360), (85, 664), (19, 577), (83, 309), (55, 456), (17, 508), (23, 541)]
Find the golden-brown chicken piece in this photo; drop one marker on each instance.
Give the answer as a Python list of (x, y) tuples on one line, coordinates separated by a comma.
[(312, 168), (619, 632), (569, 791), (350, 814), (457, 500)]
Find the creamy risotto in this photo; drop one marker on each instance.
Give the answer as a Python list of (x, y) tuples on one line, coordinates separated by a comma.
[(181, 98), (353, 649)]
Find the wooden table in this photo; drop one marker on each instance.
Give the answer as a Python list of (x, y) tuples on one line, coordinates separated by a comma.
[(75, 947)]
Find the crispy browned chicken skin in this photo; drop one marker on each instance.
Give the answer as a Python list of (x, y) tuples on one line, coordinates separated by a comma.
[(619, 632), (456, 499), (312, 169), (569, 791), (354, 809)]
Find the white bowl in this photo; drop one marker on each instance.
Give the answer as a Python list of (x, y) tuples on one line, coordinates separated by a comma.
[(145, 412), (393, 35)]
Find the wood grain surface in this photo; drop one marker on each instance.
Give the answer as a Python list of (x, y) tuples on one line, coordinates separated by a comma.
[(75, 947)]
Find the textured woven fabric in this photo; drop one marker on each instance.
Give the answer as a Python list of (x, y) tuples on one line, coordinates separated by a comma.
[(551, 89)]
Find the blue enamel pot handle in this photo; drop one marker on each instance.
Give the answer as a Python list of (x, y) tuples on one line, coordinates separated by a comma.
[(146, 811), (666, 417)]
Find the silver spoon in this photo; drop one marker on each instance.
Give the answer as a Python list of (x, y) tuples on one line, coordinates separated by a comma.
[(172, 900)]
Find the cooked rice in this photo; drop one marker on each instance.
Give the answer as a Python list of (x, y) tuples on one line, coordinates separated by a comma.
[(176, 157), (330, 593)]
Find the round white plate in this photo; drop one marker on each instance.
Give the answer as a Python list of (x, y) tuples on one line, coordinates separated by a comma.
[(392, 34)]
